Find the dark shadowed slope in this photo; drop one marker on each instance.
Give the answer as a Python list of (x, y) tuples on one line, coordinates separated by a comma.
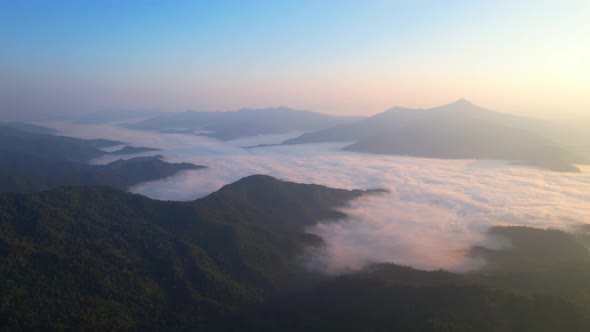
[(243, 123), (541, 261), (24, 173), (537, 283), (50, 146), (104, 259), (33, 162), (97, 258), (459, 130), (357, 303)]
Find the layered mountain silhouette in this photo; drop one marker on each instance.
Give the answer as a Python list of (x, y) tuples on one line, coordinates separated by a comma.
[(48, 146), (109, 116), (28, 127), (459, 130), (133, 149), (33, 160), (242, 123)]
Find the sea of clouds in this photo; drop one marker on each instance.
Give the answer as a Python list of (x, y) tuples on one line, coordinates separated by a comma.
[(435, 211)]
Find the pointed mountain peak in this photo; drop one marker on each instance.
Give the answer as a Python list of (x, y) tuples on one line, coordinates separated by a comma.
[(462, 101), (459, 105)]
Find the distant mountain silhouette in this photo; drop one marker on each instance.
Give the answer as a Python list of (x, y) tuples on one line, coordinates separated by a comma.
[(29, 127), (133, 149), (459, 130), (52, 147), (34, 162), (243, 123), (108, 116), (20, 172)]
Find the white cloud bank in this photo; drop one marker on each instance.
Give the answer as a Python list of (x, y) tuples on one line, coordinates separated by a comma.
[(435, 211)]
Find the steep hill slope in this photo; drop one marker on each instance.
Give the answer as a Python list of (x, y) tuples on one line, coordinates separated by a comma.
[(99, 258)]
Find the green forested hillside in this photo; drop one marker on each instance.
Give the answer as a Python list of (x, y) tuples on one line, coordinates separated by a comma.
[(100, 258), (20, 172), (539, 283), (51, 147), (34, 161), (96, 258), (354, 303)]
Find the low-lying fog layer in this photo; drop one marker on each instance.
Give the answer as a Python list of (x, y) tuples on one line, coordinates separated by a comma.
[(436, 209)]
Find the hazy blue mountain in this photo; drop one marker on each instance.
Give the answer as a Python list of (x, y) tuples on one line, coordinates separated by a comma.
[(133, 149), (399, 117), (572, 133), (459, 130), (100, 117), (243, 123), (34, 162), (50, 146), (466, 138), (21, 172), (392, 119), (29, 127)]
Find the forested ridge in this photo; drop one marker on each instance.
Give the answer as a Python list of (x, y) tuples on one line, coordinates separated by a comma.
[(32, 158), (99, 258), (96, 258)]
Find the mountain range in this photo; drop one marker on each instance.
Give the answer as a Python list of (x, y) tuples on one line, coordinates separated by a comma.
[(85, 255), (133, 150), (110, 116), (460, 130), (242, 123), (33, 160)]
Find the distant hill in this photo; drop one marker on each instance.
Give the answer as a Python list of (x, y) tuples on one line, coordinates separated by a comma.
[(469, 139), (34, 162), (243, 123), (133, 149), (28, 127), (459, 130), (50, 146), (101, 117), (21, 172), (399, 117)]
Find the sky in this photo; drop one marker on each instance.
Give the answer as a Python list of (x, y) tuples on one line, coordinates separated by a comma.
[(337, 57)]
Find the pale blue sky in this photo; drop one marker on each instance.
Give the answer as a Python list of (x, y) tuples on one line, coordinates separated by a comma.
[(343, 57)]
